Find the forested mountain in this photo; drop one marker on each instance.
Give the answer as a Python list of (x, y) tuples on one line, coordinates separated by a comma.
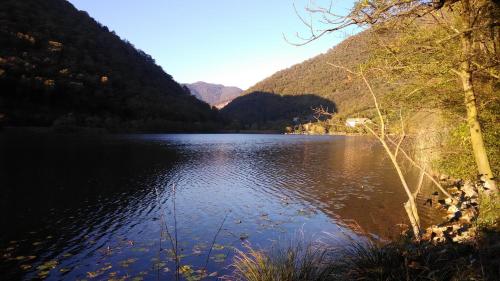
[(315, 78), (58, 66), (214, 94)]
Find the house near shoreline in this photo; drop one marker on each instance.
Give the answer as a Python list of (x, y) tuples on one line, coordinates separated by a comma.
[(353, 122)]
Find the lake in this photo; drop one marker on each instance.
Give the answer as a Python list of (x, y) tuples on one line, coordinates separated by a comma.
[(84, 207)]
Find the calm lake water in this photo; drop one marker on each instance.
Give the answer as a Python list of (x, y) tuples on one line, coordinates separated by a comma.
[(76, 207)]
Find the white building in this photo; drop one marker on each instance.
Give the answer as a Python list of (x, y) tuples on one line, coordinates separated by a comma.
[(353, 122)]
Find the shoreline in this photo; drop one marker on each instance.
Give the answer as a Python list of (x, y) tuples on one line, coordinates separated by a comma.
[(97, 130)]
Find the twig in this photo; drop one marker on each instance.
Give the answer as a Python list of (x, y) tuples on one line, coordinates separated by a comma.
[(422, 169), (177, 262), (163, 223), (215, 238), (420, 184), (403, 134)]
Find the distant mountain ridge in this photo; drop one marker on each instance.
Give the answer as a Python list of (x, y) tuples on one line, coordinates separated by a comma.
[(214, 94), (60, 66)]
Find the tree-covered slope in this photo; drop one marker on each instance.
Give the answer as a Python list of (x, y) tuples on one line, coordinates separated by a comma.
[(58, 65), (315, 77)]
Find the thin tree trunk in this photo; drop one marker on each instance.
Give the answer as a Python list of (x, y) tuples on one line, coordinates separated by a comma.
[(478, 147), (410, 206)]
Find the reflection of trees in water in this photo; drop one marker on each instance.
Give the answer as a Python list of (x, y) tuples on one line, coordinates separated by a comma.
[(351, 181)]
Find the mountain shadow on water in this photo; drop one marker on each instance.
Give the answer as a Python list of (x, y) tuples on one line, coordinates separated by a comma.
[(58, 66), (270, 111)]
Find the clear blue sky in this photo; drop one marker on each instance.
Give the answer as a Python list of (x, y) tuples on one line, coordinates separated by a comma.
[(235, 43)]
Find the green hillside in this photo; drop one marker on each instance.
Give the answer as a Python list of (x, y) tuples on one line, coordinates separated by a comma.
[(58, 66), (316, 77)]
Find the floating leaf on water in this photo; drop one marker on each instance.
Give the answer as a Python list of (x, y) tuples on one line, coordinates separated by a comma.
[(170, 253), (107, 267), (49, 237), (25, 266), (137, 278), (43, 274), (302, 212), (36, 243), (186, 269), (218, 247), (196, 277), (219, 258), (47, 265), (142, 249), (67, 255), (213, 274), (190, 274), (128, 262), (93, 274), (201, 245), (159, 265), (20, 258), (30, 257), (64, 270)]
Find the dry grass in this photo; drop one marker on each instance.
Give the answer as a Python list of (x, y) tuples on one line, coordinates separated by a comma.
[(293, 263), (400, 260)]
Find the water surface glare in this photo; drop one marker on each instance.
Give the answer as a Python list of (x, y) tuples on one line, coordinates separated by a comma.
[(80, 207)]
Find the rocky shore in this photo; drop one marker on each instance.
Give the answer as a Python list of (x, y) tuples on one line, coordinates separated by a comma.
[(462, 211)]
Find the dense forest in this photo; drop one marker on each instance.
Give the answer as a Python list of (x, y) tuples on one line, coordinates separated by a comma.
[(59, 67)]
